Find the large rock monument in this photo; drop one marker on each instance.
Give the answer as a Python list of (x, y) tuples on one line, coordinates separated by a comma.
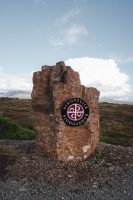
[(66, 116)]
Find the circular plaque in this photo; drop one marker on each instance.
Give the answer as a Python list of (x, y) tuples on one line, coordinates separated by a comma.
[(74, 112)]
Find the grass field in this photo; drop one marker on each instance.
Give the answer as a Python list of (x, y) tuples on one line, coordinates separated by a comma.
[(116, 123), (116, 120)]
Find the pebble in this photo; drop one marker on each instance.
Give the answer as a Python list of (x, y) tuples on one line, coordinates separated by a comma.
[(44, 179)]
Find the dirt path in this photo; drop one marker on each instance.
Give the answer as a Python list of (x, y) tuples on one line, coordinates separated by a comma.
[(106, 175)]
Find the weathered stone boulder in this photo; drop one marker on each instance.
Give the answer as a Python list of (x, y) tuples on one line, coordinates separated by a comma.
[(52, 86)]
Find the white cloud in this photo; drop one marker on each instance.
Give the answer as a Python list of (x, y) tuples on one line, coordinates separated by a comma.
[(67, 16), (15, 82), (56, 44), (74, 33), (40, 1), (68, 33), (36, 1), (70, 36), (104, 74)]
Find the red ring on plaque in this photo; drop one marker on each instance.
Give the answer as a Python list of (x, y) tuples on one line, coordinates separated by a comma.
[(75, 112)]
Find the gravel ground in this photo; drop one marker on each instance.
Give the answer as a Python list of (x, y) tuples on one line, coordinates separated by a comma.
[(106, 175)]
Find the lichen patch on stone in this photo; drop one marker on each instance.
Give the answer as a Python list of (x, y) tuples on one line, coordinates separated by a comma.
[(85, 156), (70, 157), (86, 147)]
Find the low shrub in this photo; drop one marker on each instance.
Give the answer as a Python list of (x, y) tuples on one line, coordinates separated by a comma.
[(12, 130)]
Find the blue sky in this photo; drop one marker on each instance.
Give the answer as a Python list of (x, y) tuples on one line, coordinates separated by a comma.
[(38, 32)]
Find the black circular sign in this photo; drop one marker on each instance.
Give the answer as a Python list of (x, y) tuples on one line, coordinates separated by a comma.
[(74, 112)]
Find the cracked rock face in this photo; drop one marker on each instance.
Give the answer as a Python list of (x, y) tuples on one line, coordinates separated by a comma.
[(52, 86)]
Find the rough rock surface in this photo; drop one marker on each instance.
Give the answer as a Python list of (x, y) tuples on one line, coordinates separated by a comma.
[(51, 87)]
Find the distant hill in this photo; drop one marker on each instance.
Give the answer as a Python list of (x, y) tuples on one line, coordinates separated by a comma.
[(16, 94), (24, 94), (106, 100)]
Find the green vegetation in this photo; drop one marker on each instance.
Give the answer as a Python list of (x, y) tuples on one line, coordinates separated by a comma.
[(19, 110), (12, 130), (114, 136), (116, 121)]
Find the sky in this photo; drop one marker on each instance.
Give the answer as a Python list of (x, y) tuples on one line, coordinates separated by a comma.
[(92, 36)]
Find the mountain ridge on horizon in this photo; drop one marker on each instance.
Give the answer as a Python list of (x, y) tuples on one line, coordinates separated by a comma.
[(25, 94), (16, 94)]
